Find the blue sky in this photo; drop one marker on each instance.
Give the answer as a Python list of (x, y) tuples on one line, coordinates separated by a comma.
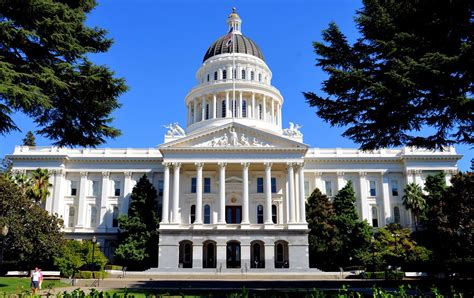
[(159, 46)]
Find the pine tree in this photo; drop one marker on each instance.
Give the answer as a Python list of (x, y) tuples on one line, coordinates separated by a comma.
[(29, 139), (45, 71), (320, 218), (138, 248), (353, 234), (411, 68)]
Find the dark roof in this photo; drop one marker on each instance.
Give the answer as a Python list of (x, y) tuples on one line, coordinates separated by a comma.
[(242, 45)]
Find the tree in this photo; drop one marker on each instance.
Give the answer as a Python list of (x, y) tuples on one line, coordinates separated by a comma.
[(39, 189), (353, 235), (138, 247), (78, 254), (411, 68), (29, 139), (320, 217), (33, 235), (46, 74), (413, 200)]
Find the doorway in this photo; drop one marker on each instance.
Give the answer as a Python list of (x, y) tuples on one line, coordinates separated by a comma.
[(233, 254)]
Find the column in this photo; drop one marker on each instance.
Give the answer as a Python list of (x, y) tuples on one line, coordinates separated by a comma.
[(227, 109), (166, 194), (103, 199), (279, 114), (176, 168), (240, 104), (296, 191), (188, 115), (245, 193), (81, 209), (127, 191), (221, 216), (203, 108), (214, 106), (48, 206), (273, 111), (363, 195), (302, 194), (254, 114), (291, 192), (195, 110), (199, 166), (387, 210), (317, 181), (264, 105), (268, 193), (340, 180), (59, 183)]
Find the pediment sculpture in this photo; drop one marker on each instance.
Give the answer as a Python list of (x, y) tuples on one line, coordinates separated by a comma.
[(174, 130), (293, 131), (233, 139)]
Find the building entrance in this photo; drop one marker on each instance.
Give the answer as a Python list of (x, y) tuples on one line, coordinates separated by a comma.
[(233, 254), (233, 214)]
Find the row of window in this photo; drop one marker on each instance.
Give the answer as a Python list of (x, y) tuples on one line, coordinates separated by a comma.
[(233, 110), (207, 185), (375, 216), (233, 74), (94, 187), (233, 214), (371, 188), (93, 218)]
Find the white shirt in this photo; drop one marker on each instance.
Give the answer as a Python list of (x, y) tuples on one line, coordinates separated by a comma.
[(36, 275)]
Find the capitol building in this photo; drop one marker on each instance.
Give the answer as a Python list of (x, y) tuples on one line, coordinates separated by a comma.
[(232, 182)]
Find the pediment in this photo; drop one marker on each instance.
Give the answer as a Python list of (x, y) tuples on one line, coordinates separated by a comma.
[(233, 136)]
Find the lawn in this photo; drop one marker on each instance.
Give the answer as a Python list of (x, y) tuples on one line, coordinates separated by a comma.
[(16, 285)]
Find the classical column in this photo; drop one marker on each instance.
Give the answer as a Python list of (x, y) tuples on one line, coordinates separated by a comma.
[(199, 166), (221, 219), (49, 199), (59, 182), (340, 180), (268, 193), (240, 114), (387, 210), (176, 168), (188, 114), (296, 192), (203, 108), (195, 110), (254, 114), (81, 212), (214, 106), (273, 110), (279, 114), (302, 218), (127, 191), (227, 108), (291, 192), (317, 181), (103, 199), (166, 194), (363, 195), (264, 105), (245, 193)]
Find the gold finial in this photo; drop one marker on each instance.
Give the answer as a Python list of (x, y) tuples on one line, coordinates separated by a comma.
[(233, 9)]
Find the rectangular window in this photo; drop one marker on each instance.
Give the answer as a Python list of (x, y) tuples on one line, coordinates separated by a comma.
[(394, 184), (193, 185), (115, 215), (328, 187), (224, 74), (93, 222), (259, 185), (71, 216), (160, 188), (207, 185), (215, 76), (73, 190), (117, 188), (372, 190), (274, 185), (306, 189), (95, 188)]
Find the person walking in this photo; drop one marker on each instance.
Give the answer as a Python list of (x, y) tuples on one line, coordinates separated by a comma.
[(35, 279)]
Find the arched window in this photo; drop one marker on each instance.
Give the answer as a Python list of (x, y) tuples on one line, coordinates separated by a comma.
[(71, 216), (186, 254), (244, 108), (215, 76), (375, 217), (207, 214), (243, 74), (274, 214), (281, 254), (208, 77), (252, 75), (396, 215), (259, 214), (192, 214), (209, 254), (257, 254), (93, 222), (223, 109), (233, 254), (207, 111), (224, 74)]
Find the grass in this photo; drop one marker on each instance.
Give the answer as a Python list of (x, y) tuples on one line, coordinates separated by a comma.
[(16, 285)]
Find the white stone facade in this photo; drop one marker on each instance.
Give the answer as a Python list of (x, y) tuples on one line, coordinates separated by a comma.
[(232, 185)]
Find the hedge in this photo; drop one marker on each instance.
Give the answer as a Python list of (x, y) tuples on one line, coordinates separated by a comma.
[(88, 274)]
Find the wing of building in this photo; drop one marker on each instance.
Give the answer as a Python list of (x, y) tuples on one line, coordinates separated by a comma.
[(232, 184)]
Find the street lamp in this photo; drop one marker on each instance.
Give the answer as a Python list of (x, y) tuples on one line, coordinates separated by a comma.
[(94, 241), (4, 234)]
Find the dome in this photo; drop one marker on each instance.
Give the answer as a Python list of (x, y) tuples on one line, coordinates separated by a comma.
[(242, 44)]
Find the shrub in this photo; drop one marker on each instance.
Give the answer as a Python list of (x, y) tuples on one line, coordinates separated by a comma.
[(88, 274)]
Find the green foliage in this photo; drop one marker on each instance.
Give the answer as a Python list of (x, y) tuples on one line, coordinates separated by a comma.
[(29, 139), (39, 188), (138, 247), (46, 74), (78, 254), (33, 235), (88, 274), (413, 200), (411, 68)]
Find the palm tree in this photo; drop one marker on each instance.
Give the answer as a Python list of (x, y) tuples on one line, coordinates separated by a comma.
[(23, 182), (413, 200), (40, 185)]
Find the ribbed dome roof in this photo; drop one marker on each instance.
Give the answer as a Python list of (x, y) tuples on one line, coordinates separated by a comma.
[(242, 45)]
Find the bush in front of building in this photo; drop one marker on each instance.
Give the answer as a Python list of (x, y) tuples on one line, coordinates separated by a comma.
[(76, 255), (83, 274)]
